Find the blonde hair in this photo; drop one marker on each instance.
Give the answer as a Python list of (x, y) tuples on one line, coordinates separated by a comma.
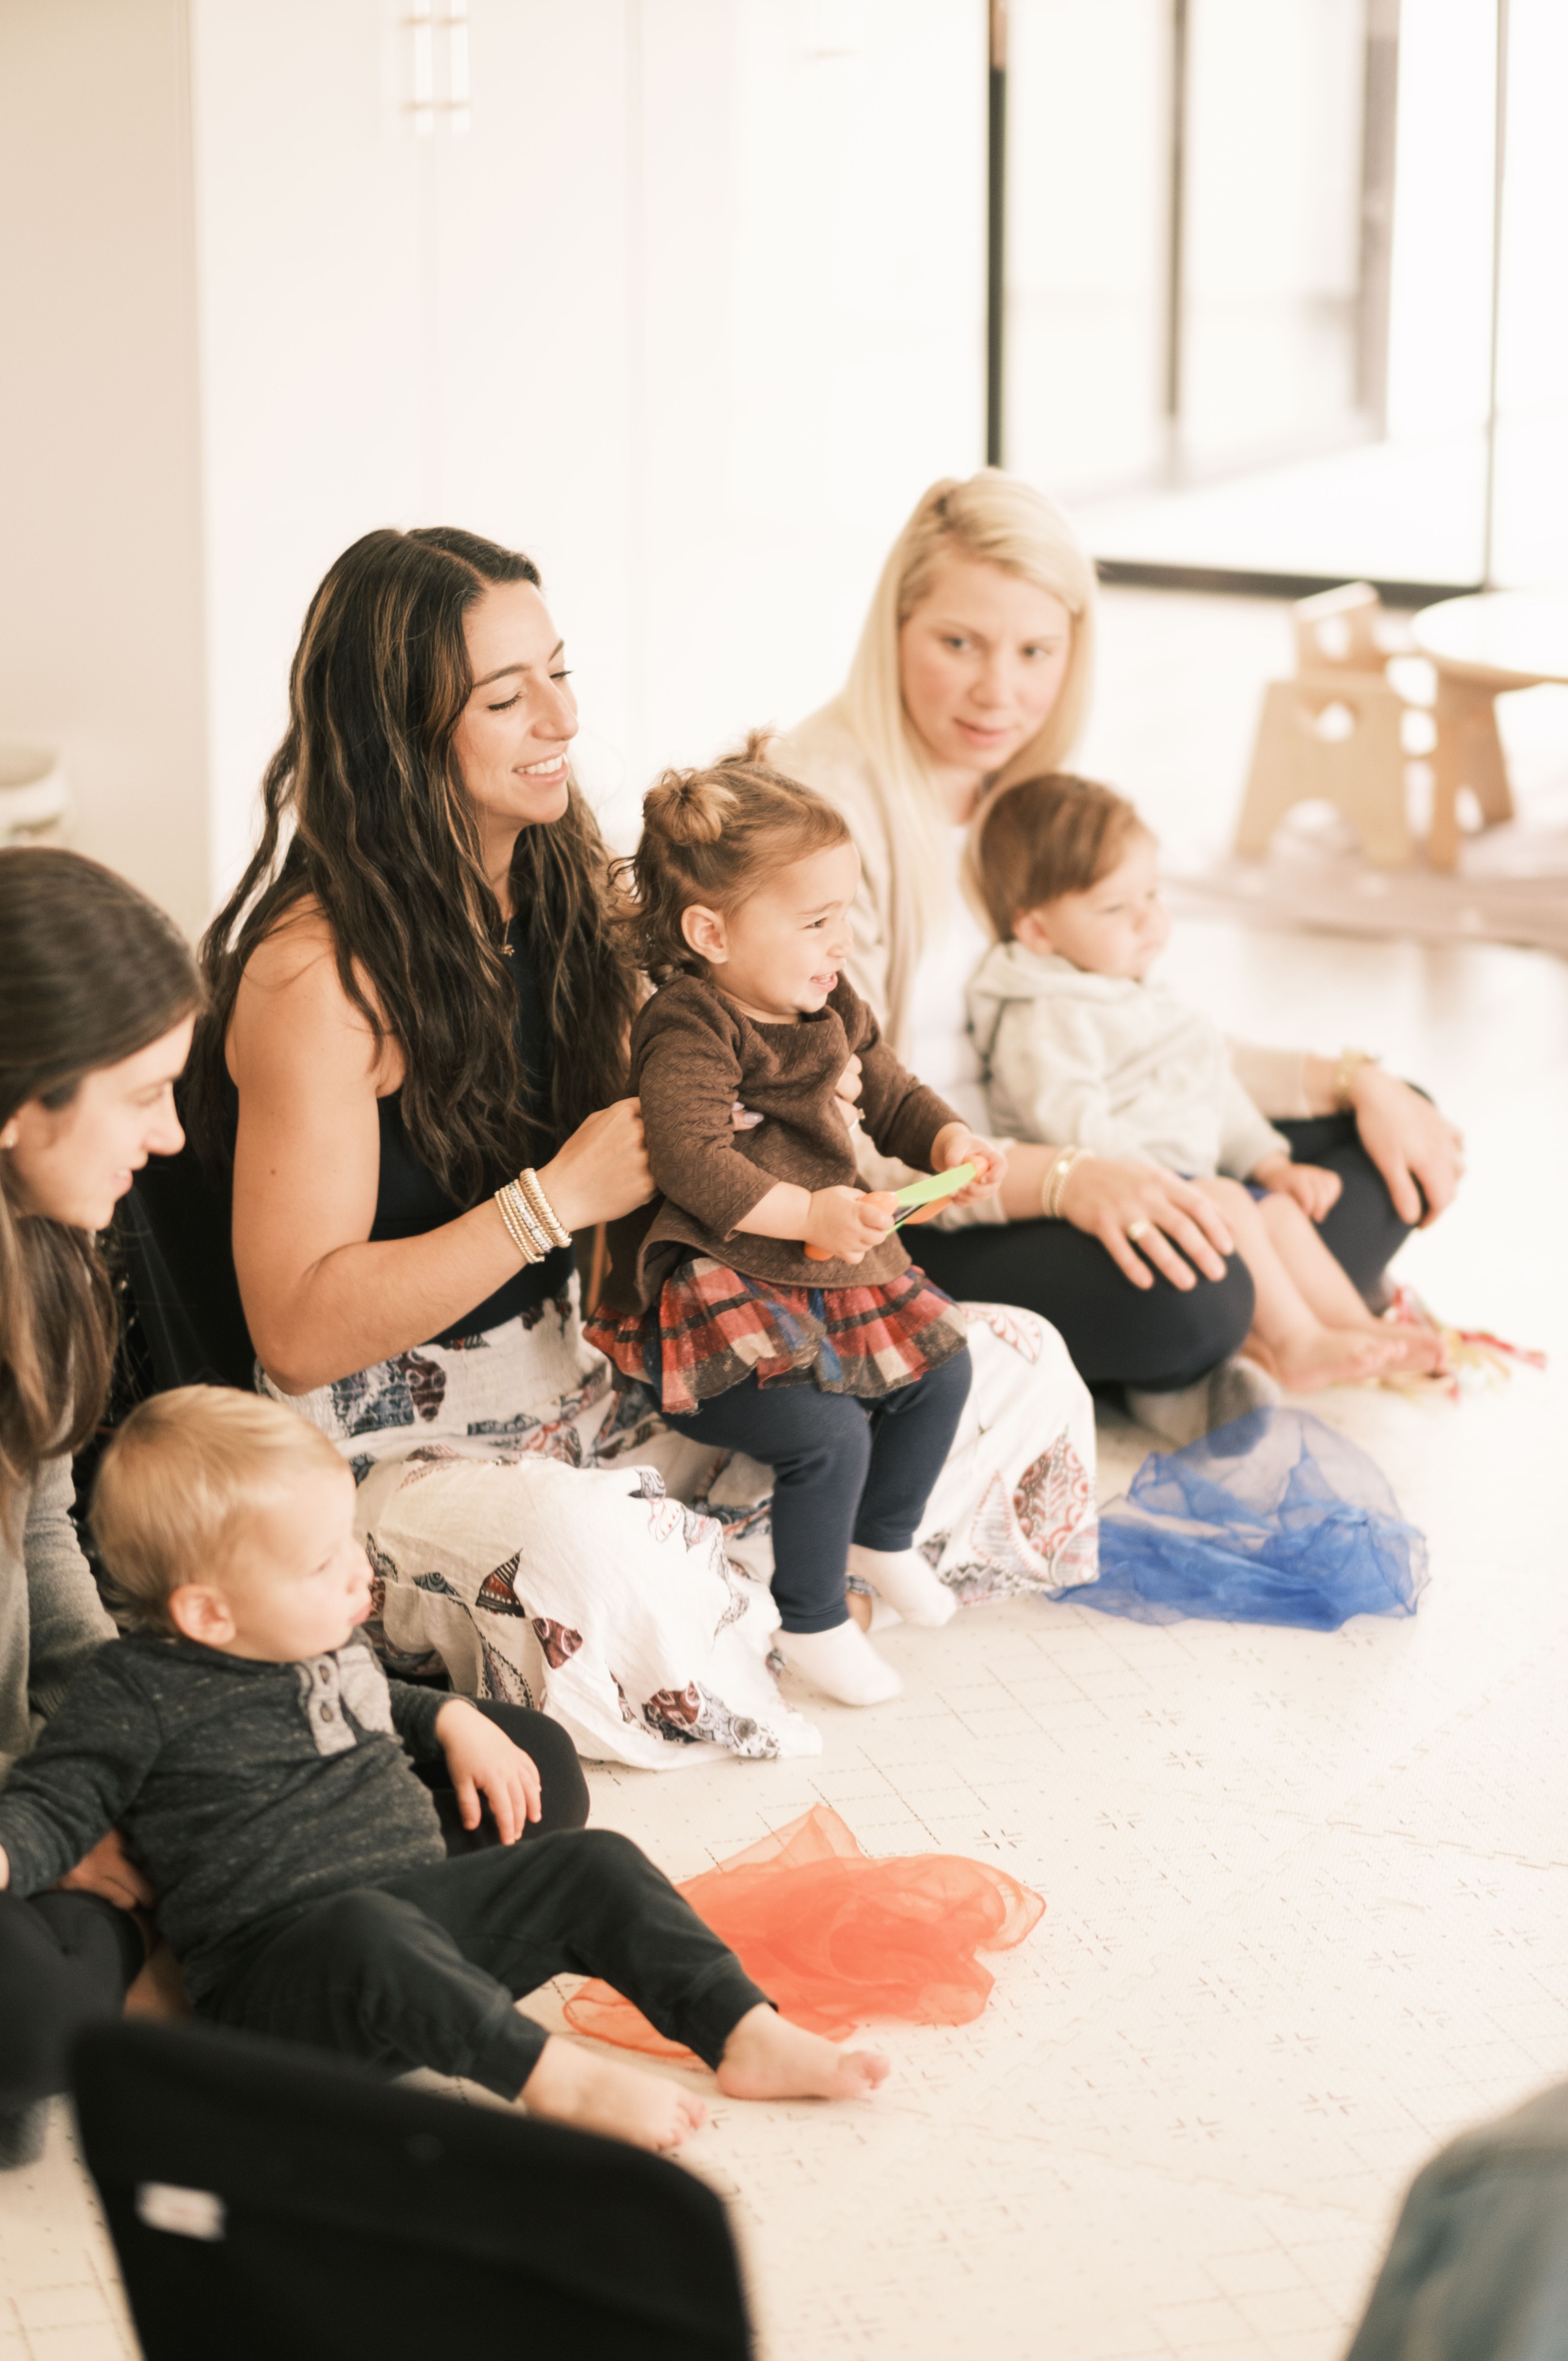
[(711, 837), (1002, 521), (1044, 838), (177, 1478)]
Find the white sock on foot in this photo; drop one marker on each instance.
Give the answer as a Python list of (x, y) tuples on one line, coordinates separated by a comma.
[(842, 1663), (906, 1582)]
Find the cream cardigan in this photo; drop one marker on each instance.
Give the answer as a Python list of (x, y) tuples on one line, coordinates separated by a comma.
[(823, 752)]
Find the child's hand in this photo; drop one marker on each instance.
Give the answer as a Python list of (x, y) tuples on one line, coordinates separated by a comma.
[(484, 1762), (844, 1224), (957, 1144), (1314, 1189)]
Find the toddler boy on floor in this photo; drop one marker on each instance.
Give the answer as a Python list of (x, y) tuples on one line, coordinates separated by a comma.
[(253, 1750)]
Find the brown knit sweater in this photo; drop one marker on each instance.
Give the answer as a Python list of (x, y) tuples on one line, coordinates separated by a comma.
[(694, 1053)]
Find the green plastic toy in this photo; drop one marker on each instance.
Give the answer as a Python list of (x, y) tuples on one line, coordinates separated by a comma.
[(917, 1203), (931, 1191)]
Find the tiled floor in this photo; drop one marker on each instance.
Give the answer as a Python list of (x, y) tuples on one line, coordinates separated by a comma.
[(1307, 1895)]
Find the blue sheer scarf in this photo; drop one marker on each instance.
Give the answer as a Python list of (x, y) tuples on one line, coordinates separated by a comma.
[(1274, 1519)]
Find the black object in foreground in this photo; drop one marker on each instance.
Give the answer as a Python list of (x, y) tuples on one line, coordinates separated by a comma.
[(265, 2202)]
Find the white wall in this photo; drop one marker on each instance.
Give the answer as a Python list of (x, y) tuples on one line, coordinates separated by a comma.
[(100, 552), (692, 311)]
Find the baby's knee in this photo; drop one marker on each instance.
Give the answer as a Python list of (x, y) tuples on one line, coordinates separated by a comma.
[(1231, 1195), (599, 1862), (601, 1852), (358, 1927)]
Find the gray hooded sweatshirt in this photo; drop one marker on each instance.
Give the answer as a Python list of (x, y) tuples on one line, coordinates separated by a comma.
[(1112, 1065)]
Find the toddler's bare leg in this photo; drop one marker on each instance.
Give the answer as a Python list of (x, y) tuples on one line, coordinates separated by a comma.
[(1303, 1351), (1326, 1288)]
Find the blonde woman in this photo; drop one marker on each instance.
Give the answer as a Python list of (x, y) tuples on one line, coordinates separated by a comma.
[(974, 671)]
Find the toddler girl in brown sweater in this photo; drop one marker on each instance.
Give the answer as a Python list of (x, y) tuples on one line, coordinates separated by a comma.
[(774, 1309)]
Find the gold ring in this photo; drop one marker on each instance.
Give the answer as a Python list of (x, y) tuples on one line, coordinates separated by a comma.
[(1136, 1230)]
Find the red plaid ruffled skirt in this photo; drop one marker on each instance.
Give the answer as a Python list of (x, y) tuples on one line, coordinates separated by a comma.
[(713, 1327)]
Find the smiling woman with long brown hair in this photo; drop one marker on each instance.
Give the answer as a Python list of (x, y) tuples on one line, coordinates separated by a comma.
[(97, 994), (416, 1058)]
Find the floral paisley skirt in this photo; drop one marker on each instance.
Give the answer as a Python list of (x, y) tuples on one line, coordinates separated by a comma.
[(546, 1538)]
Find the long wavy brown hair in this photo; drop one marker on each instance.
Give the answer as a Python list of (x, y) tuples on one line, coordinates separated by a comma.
[(364, 813), (91, 972)]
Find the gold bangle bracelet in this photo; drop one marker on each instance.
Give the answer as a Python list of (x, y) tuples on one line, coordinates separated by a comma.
[(543, 1211), (1350, 1063), (519, 1229), (1055, 1181)]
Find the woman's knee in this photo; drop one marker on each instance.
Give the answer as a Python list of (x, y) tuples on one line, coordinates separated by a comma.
[(1187, 1332), (562, 1789)]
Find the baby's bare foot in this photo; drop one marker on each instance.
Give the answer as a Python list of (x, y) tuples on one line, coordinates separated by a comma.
[(599, 2094), (1333, 1356), (1421, 1350), (767, 2058)]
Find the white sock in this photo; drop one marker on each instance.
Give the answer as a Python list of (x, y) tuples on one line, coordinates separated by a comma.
[(906, 1582), (842, 1663)]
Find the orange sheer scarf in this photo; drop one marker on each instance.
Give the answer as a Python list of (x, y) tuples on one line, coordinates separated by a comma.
[(834, 1939)]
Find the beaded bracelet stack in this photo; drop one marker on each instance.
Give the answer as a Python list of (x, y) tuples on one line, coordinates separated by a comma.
[(1055, 1182), (533, 1223)]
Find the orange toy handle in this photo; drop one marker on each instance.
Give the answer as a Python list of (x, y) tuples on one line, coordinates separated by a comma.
[(817, 1254)]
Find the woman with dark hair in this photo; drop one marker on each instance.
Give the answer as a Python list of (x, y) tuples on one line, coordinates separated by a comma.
[(97, 996), (98, 993), (416, 1054)]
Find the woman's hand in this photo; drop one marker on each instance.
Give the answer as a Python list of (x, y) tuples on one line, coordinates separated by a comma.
[(1315, 1189), (1178, 1226), (955, 1144), (109, 1871), (484, 1763), (843, 1224), (1418, 1152), (602, 1171)]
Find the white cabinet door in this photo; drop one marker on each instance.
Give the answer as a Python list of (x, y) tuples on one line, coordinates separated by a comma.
[(691, 309), (312, 198)]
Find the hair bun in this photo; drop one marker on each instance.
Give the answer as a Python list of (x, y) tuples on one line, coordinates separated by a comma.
[(686, 808)]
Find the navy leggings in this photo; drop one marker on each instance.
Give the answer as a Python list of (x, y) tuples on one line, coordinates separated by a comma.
[(844, 1470)]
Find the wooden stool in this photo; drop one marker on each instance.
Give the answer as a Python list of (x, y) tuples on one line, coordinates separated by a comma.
[(1469, 753), (1483, 646), (1337, 631), (1359, 769)]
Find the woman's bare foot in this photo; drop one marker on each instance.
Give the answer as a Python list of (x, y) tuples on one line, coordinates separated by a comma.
[(1317, 1358), (767, 2058), (599, 2094)]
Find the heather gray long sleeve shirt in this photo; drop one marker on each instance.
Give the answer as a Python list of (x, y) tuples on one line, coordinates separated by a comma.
[(50, 1616), (246, 1789)]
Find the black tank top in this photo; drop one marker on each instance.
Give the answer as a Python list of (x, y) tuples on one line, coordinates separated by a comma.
[(410, 1200)]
